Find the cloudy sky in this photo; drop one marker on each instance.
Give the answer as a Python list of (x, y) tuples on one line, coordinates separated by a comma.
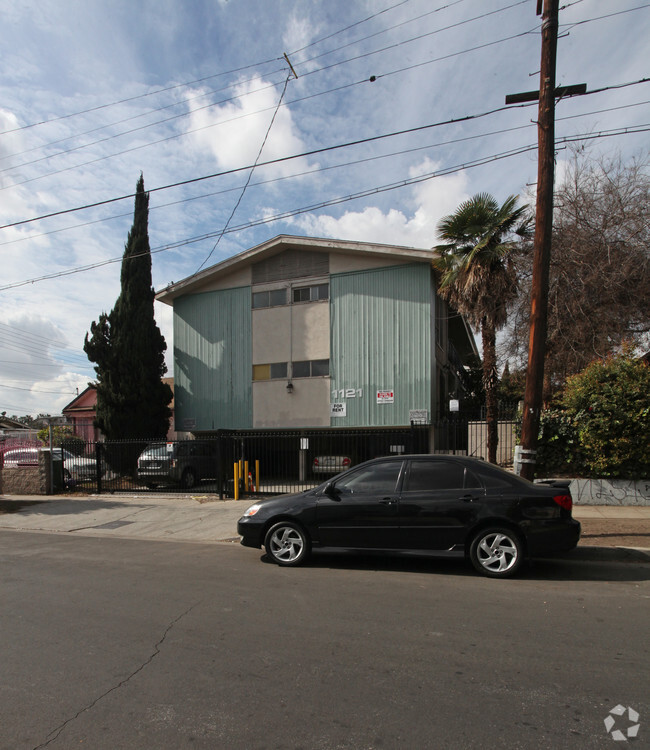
[(94, 93)]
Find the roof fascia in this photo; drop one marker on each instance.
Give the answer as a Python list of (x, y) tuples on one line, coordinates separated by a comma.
[(284, 242)]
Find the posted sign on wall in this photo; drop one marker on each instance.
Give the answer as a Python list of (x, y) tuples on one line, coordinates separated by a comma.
[(338, 410), (385, 397)]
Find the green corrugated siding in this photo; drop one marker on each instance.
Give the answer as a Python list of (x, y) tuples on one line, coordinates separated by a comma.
[(381, 340), (213, 360)]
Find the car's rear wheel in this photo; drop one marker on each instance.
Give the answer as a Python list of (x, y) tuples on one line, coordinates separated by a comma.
[(188, 479), (496, 552), (287, 544)]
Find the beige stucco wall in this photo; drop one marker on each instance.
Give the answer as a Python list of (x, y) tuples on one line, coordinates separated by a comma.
[(239, 277), (307, 406), (310, 339)]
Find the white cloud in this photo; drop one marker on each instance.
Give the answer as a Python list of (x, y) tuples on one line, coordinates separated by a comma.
[(298, 34), (431, 200), (234, 132)]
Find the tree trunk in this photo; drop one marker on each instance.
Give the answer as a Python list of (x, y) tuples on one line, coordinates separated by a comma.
[(490, 382)]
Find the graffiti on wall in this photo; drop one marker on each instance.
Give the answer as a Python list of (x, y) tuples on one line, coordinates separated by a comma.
[(610, 491)]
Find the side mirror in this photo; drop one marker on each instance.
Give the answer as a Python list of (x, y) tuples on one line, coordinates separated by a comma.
[(331, 491)]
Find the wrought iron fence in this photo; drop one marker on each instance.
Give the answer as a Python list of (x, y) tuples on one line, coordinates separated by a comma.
[(264, 462)]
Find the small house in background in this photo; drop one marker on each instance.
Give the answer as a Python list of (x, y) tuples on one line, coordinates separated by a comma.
[(14, 434), (81, 411), (11, 425)]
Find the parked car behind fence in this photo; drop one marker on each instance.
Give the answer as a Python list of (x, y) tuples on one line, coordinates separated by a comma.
[(185, 463), (77, 468)]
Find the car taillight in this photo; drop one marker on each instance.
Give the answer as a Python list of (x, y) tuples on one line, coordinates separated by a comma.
[(564, 501), (346, 462)]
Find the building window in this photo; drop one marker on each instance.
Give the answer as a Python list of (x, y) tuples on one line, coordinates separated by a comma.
[(310, 369), (272, 298), (278, 297), (311, 293), (272, 371)]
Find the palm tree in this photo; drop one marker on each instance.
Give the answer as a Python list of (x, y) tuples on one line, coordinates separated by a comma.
[(478, 277)]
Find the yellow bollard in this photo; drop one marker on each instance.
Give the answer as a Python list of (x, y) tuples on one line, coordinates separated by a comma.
[(236, 484), (257, 475), (246, 475)]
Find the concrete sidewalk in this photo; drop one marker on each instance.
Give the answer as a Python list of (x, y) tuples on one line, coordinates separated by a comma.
[(205, 518), (187, 518)]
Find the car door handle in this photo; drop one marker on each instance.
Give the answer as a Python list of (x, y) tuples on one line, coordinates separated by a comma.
[(387, 501), (468, 498)]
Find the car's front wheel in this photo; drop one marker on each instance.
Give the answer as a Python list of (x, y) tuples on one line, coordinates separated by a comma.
[(287, 544), (497, 552)]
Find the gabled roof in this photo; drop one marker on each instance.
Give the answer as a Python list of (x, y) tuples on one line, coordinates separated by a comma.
[(7, 423), (85, 401), (285, 242)]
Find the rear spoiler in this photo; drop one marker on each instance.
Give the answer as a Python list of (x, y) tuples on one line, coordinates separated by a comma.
[(565, 483)]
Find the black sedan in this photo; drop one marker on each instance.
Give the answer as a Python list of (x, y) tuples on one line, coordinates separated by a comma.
[(451, 505)]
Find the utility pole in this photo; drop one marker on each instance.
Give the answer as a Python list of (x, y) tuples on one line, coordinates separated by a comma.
[(542, 243)]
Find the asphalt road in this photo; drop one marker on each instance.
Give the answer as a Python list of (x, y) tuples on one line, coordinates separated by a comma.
[(121, 643)]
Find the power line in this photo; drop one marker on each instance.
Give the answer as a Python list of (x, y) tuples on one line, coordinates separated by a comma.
[(265, 62), (221, 122), (608, 15), (34, 364), (135, 98), (234, 98), (133, 117), (263, 164), (209, 77), (33, 353), (352, 25), (23, 332), (316, 170), (382, 31), (250, 175), (34, 390), (304, 154), (417, 38), (643, 128)]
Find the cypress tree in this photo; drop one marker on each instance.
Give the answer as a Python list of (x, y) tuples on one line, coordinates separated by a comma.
[(128, 347)]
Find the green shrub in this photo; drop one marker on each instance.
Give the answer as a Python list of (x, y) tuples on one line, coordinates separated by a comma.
[(63, 437), (607, 406), (558, 448)]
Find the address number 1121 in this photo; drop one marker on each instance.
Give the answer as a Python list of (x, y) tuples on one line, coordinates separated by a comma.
[(347, 393)]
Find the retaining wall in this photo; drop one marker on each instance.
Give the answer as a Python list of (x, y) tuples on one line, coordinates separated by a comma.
[(610, 491), (27, 480)]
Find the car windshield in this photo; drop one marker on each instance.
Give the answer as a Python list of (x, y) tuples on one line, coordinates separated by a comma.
[(155, 451)]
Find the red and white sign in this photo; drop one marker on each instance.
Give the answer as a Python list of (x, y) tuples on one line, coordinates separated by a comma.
[(385, 397)]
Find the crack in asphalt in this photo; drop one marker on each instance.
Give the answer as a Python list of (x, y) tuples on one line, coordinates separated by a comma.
[(56, 732)]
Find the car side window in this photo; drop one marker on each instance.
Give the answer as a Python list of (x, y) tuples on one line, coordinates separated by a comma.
[(375, 479), (495, 480), (435, 475)]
